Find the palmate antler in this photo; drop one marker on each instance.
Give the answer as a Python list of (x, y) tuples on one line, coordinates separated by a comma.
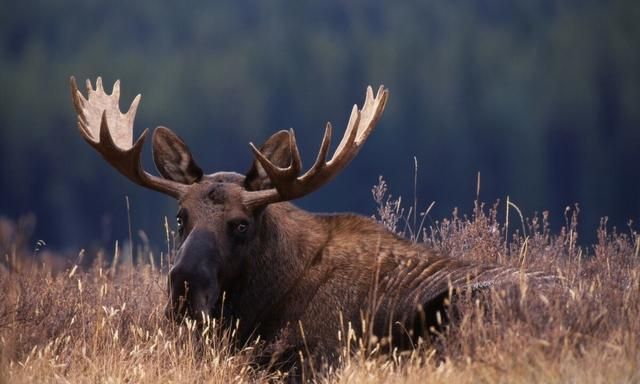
[(287, 182), (110, 132)]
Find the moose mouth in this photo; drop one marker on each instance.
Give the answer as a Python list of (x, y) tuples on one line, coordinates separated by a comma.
[(219, 311), (198, 305), (190, 299)]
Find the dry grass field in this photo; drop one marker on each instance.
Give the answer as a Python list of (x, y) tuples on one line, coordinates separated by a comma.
[(105, 322)]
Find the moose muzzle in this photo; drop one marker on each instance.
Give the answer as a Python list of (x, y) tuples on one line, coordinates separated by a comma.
[(193, 281)]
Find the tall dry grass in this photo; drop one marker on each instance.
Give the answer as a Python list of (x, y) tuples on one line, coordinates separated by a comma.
[(105, 323)]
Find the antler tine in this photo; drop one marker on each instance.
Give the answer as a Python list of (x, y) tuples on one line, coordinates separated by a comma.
[(372, 111), (278, 173), (288, 185), (321, 159), (350, 133), (110, 132)]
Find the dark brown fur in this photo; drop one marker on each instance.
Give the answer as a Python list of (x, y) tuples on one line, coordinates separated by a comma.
[(321, 273)]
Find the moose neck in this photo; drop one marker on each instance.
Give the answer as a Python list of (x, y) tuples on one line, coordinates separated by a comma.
[(289, 238)]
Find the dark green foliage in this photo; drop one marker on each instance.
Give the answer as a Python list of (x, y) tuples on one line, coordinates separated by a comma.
[(540, 96)]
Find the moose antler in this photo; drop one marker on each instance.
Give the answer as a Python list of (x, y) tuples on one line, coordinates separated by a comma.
[(289, 185), (110, 132)]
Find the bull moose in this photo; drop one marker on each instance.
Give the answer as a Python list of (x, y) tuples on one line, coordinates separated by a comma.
[(292, 277)]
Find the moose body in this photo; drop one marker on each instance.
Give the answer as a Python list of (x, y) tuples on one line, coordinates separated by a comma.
[(292, 277), (341, 263)]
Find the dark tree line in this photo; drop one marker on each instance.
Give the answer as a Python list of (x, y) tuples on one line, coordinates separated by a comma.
[(542, 97)]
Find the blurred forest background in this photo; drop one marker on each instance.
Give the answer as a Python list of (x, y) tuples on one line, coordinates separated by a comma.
[(542, 97)]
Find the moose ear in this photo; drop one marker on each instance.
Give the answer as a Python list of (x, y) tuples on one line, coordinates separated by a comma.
[(276, 149), (173, 158)]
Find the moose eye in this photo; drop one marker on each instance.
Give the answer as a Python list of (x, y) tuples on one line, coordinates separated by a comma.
[(179, 224), (239, 227)]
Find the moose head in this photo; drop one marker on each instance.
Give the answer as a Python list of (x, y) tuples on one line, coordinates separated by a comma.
[(220, 221)]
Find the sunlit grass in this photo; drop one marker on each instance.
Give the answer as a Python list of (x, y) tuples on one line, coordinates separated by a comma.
[(105, 323)]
